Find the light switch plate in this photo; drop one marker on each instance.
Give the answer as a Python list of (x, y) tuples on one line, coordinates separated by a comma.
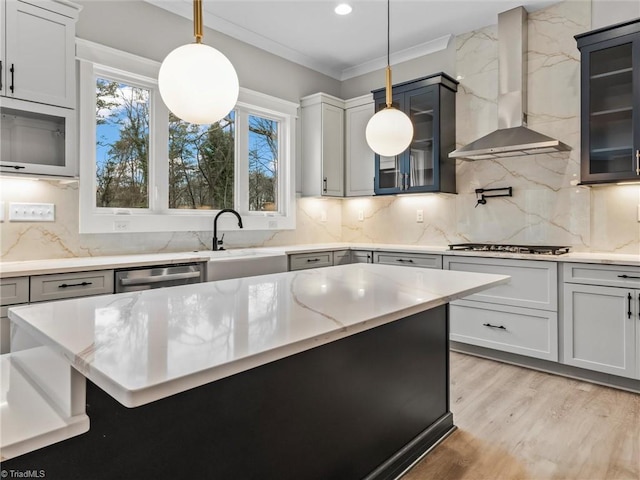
[(32, 212)]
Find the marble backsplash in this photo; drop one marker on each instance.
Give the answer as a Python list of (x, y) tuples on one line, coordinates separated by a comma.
[(546, 207)]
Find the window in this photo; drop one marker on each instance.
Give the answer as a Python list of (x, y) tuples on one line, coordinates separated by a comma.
[(201, 164), (122, 145), (144, 170)]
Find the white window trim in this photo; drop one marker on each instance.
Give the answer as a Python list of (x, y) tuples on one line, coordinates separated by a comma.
[(94, 60)]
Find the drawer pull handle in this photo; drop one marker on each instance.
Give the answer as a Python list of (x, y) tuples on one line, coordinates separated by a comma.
[(501, 327), (311, 260), (67, 285), (628, 276), (404, 260), (629, 306), (15, 167)]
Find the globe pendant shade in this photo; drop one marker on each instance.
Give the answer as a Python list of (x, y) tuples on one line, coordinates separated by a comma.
[(198, 83), (389, 132)]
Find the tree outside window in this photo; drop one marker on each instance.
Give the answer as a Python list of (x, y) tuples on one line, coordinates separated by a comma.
[(263, 164), (201, 164), (122, 145)]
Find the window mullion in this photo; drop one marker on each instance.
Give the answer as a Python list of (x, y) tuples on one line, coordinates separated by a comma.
[(242, 161), (159, 154)]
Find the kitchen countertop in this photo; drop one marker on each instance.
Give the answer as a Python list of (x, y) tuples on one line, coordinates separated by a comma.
[(144, 346), (62, 265)]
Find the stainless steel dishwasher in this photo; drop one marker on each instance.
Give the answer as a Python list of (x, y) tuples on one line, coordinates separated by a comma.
[(146, 278)]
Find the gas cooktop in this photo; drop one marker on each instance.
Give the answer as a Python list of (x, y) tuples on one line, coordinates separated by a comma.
[(492, 247)]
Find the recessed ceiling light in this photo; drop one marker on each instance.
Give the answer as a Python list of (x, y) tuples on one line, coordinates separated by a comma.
[(343, 9)]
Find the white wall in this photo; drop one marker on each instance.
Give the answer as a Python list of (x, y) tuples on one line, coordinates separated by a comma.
[(609, 12), (149, 31), (442, 61)]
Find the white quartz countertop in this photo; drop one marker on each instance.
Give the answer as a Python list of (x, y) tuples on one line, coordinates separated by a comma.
[(62, 265), (144, 346)]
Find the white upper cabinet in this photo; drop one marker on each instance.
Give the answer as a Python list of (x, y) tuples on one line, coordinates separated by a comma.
[(359, 158), (322, 145), (38, 52), (336, 161)]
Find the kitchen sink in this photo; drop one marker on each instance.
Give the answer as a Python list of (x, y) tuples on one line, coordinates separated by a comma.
[(243, 262)]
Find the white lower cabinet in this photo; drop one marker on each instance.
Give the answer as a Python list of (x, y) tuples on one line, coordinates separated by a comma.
[(525, 331), (601, 323), (423, 260), (302, 261), (361, 256), (519, 317), (13, 291)]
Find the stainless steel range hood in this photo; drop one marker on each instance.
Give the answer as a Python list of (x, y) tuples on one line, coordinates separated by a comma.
[(512, 138)]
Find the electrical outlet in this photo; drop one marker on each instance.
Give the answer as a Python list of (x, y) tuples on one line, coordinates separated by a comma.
[(323, 216), (638, 213), (361, 215), (419, 216), (1, 211), (32, 212), (121, 225)]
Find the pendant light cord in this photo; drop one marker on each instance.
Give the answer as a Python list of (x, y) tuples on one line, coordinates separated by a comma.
[(388, 69), (388, 32)]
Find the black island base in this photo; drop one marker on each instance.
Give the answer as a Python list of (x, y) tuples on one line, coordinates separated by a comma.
[(366, 406)]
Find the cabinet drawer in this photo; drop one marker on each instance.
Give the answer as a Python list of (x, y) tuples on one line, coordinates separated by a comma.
[(70, 285), (533, 284), (524, 331), (14, 290), (423, 260), (310, 260), (606, 275)]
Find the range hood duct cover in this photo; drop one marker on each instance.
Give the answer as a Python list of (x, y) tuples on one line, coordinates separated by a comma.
[(512, 138)]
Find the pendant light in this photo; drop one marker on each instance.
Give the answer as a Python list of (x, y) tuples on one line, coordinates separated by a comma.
[(197, 82), (390, 131)]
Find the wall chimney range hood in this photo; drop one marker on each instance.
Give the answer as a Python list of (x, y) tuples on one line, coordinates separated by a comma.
[(512, 138)]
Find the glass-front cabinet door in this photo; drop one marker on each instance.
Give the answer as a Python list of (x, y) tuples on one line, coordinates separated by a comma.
[(425, 165), (610, 107), (389, 176), (420, 157)]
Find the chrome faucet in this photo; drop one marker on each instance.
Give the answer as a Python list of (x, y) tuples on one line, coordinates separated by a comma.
[(217, 244)]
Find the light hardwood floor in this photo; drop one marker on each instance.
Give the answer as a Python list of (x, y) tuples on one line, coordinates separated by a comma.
[(516, 423)]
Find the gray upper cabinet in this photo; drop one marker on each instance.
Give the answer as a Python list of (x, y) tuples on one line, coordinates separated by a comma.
[(610, 104), (38, 51), (38, 87), (322, 145), (359, 158)]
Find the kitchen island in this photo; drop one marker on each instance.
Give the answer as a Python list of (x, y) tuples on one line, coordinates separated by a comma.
[(339, 372)]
